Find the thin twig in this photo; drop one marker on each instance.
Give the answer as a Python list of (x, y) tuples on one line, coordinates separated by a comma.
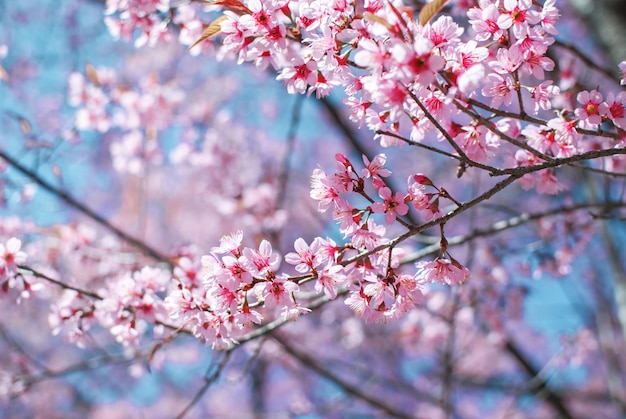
[(39, 275), (585, 59), (312, 364), (503, 225), (213, 373), (283, 178), (72, 202)]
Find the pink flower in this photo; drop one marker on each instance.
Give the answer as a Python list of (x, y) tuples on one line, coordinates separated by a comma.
[(541, 95), (306, 257), (548, 140), (590, 111), (516, 15), (419, 64), (500, 89), (323, 190), (238, 268), (392, 205), (375, 168), (180, 302), (477, 143), (471, 79), (622, 69), (11, 255), (548, 183), (549, 16), (348, 216), (329, 251), (278, 293), (485, 22), (470, 54), (417, 193), (368, 235), (299, 75), (615, 108), (214, 328), (565, 132), (370, 54), (357, 301), (262, 262), (508, 60), (442, 270), (443, 31), (377, 288), (535, 64), (230, 243), (187, 272), (329, 279), (246, 316)]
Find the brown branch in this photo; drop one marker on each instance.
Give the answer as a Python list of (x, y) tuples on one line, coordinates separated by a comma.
[(503, 113), (211, 376), (441, 129), (555, 162), (506, 225), (73, 203), (315, 366), (487, 124), (539, 384), (39, 275), (585, 59), (537, 121), (494, 171), (283, 177), (90, 364)]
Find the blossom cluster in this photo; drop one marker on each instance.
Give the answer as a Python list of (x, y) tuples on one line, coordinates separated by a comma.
[(12, 255), (105, 103), (410, 77), (379, 274), (404, 78), (124, 17), (4, 50)]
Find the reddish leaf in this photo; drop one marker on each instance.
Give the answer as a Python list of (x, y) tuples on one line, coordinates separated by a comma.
[(213, 29), (4, 75), (430, 10), (377, 19), (232, 5), (92, 74), (151, 356), (25, 125)]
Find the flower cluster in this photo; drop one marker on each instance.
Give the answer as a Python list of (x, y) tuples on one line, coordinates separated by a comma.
[(402, 76), (125, 17), (421, 79), (218, 301), (378, 289), (104, 103), (11, 256)]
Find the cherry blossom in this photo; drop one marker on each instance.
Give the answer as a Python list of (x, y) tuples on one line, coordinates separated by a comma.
[(542, 95), (306, 258), (465, 104), (614, 108), (11, 255), (442, 270), (590, 111), (392, 205)]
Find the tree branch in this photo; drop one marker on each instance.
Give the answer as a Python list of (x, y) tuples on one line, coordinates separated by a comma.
[(73, 203), (312, 364)]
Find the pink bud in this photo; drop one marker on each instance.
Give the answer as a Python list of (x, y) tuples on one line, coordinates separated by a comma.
[(422, 179)]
